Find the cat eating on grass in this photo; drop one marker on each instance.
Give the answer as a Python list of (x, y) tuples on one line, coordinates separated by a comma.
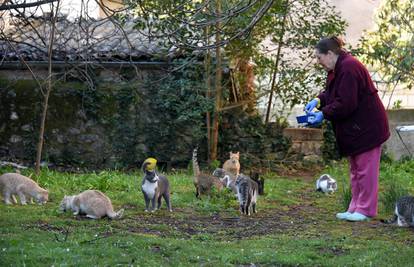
[(326, 184), (92, 203), (12, 184)]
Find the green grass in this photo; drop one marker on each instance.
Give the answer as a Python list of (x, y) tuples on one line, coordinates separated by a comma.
[(294, 226)]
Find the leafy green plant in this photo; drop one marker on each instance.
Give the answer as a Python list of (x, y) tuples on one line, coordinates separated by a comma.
[(388, 47), (345, 193), (215, 164), (393, 190), (329, 147)]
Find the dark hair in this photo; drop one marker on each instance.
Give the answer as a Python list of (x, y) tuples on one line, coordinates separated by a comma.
[(334, 44)]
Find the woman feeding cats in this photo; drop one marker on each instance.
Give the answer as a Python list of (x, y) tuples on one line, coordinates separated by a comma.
[(350, 101)]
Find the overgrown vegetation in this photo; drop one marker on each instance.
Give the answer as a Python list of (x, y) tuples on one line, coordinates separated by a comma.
[(388, 46), (294, 226)]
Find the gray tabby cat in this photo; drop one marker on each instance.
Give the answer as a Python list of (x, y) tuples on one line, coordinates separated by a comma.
[(404, 212), (247, 191), (154, 186), (326, 184)]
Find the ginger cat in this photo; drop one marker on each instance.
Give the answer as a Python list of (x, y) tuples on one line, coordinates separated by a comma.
[(93, 203), (12, 184), (232, 165)]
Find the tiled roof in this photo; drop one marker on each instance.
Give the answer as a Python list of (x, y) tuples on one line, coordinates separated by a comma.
[(80, 41)]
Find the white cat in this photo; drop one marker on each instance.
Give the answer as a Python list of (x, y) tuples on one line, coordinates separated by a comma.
[(12, 184), (93, 203), (326, 184)]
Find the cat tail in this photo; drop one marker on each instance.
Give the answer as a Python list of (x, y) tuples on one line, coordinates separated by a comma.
[(196, 167), (391, 221), (116, 215)]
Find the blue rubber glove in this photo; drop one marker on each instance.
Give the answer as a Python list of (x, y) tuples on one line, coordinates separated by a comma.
[(315, 118), (311, 105)]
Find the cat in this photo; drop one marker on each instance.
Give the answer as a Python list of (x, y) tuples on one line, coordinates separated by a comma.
[(232, 165), (92, 203), (203, 182), (155, 186), (228, 179), (404, 212), (326, 184), (260, 182), (247, 191), (13, 184)]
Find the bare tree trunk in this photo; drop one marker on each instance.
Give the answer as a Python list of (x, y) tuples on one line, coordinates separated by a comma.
[(275, 72), (48, 89), (217, 107), (207, 66)]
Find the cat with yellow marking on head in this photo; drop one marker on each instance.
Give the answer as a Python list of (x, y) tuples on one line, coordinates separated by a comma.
[(154, 186)]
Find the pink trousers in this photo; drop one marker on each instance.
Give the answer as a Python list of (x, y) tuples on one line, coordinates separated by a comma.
[(364, 169)]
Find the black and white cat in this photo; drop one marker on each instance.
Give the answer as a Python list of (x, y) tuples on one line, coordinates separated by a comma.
[(154, 186), (247, 192), (326, 184), (404, 212)]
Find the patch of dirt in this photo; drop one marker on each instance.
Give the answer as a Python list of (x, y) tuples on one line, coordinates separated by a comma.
[(306, 174), (223, 226), (45, 227), (305, 219)]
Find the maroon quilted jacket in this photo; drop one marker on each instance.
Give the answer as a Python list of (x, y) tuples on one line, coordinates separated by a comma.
[(351, 102)]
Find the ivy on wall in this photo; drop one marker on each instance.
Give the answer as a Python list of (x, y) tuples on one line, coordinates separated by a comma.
[(119, 124)]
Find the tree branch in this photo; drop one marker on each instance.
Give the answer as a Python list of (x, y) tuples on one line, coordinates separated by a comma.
[(14, 6)]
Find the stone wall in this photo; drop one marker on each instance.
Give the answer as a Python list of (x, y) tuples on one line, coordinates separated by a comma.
[(394, 146), (107, 126), (306, 143), (118, 123)]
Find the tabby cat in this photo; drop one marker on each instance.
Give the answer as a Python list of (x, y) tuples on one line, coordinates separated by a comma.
[(404, 212), (92, 203), (204, 182), (247, 191), (12, 184)]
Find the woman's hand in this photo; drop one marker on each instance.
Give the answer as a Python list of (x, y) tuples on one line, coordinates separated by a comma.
[(311, 105), (315, 118)]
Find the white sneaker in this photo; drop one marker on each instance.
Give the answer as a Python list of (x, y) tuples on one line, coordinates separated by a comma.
[(343, 215), (357, 217)]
